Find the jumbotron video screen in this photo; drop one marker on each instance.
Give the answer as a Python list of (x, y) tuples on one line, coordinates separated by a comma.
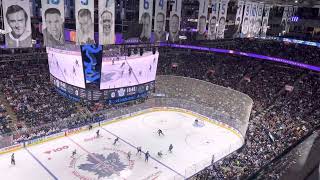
[(117, 72), (66, 66)]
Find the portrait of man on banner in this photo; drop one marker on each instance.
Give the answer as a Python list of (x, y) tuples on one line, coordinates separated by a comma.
[(17, 19), (106, 22), (174, 28), (221, 27), (202, 31), (146, 27), (212, 27), (85, 31), (54, 32), (160, 34)]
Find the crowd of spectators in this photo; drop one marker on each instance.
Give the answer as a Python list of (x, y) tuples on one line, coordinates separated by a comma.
[(286, 99), (4, 120)]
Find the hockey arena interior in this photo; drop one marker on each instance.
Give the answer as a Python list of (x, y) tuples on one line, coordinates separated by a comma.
[(159, 89)]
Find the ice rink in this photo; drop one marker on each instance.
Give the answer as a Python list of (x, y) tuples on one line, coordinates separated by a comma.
[(98, 158)]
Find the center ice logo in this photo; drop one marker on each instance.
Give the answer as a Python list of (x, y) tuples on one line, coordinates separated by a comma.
[(103, 166)]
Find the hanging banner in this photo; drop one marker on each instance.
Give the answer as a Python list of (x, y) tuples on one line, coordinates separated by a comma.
[(53, 22), (106, 21), (17, 24), (239, 13), (145, 19), (222, 18), (160, 20), (246, 21), (213, 19), (265, 20), (174, 24), (84, 14), (284, 20), (258, 21), (252, 19), (289, 16), (202, 20)]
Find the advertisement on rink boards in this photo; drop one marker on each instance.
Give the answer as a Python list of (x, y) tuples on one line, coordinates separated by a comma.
[(53, 22), (84, 13), (213, 20), (106, 21), (160, 20), (17, 23)]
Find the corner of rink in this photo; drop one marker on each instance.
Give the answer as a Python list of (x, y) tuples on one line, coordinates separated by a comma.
[(196, 145)]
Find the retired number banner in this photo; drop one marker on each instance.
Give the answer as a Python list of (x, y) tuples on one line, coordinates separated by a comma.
[(145, 19), (53, 22), (222, 18), (160, 20), (246, 21), (106, 21), (213, 20), (174, 24), (17, 24), (202, 20), (84, 14), (265, 20)]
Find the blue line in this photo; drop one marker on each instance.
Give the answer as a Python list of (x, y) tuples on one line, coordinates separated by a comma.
[(34, 157), (144, 152)]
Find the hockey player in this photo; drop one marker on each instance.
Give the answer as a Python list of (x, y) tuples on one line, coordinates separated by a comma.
[(139, 150), (13, 161), (115, 141), (146, 156), (160, 132), (160, 154), (170, 148), (123, 64), (74, 152), (98, 133), (129, 155)]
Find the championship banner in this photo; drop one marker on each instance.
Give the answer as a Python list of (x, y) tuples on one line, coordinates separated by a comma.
[(106, 21), (84, 13), (265, 20), (289, 16), (222, 18), (253, 16), (257, 24), (160, 20), (53, 22), (246, 21), (284, 19), (239, 12), (202, 20), (213, 19), (17, 24), (145, 19), (174, 24)]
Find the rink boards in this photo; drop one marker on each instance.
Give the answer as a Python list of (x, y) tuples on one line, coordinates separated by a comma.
[(170, 168)]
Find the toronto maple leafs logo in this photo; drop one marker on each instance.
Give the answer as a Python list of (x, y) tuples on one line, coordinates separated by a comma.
[(103, 166), (121, 92)]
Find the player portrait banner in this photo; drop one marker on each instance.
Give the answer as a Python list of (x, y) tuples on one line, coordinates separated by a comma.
[(222, 18), (160, 20), (253, 16), (202, 20), (17, 24), (284, 19), (258, 21), (265, 20), (213, 20), (84, 13), (106, 21), (246, 21), (53, 22), (145, 19), (174, 21), (239, 12)]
